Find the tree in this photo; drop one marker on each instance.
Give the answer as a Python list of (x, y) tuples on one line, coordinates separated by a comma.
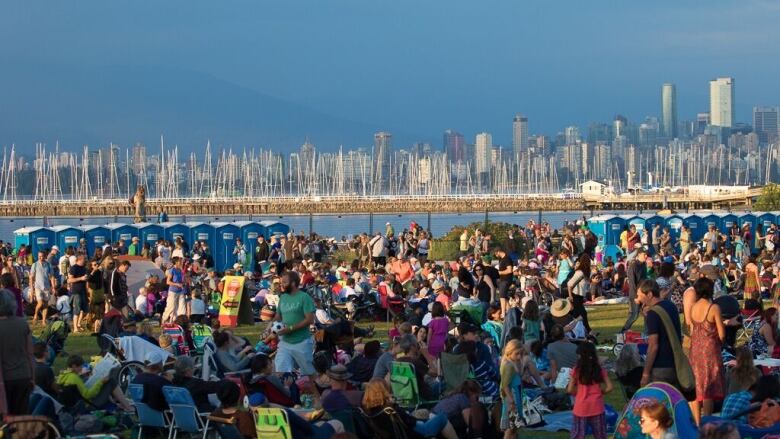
[(769, 199)]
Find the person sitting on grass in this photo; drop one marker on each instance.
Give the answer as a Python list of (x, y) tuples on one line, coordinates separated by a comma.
[(73, 388)]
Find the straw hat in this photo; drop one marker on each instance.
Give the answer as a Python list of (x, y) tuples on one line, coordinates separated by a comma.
[(560, 308)]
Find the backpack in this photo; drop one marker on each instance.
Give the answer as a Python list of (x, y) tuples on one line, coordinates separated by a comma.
[(272, 394)]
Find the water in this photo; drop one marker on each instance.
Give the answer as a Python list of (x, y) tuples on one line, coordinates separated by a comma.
[(327, 225)]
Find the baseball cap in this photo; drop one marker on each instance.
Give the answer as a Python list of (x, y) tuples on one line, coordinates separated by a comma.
[(54, 247)]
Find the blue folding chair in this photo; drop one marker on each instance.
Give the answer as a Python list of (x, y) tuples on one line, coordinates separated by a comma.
[(147, 416), (186, 417)]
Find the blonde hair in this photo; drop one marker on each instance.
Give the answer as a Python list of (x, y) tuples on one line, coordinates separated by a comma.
[(512, 347), (165, 340), (376, 394)]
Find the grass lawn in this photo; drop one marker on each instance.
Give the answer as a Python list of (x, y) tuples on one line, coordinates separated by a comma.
[(607, 320)]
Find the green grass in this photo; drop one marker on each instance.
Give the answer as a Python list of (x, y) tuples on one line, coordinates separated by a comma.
[(607, 320)]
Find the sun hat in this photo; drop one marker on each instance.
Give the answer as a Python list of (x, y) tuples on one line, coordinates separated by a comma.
[(339, 372), (560, 308)]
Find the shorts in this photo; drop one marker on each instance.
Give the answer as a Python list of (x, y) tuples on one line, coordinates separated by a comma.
[(119, 302), (79, 303), (301, 354), (42, 295), (503, 289)]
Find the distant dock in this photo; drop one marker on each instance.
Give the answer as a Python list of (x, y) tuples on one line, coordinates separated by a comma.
[(217, 206)]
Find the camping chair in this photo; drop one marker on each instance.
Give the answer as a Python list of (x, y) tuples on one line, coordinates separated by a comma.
[(27, 426), (271, 423), (346, 417), (750, 323), (403, 382), (178, 340), (185, 413), (454, 368), (147, 416), (201, 334), (211, 364)]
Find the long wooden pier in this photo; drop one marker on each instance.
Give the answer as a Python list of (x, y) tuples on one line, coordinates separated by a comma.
[(375, 204)]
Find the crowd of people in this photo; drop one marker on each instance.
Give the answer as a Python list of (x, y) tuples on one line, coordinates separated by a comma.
[(514, 306)]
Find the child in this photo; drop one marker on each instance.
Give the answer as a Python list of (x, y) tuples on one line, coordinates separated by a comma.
[(197, 308), (141, 303), (589, 382), (437, 330), (167, 343), (228, 395), (63, 305), (532, 324), (394, 331), (511, 420)]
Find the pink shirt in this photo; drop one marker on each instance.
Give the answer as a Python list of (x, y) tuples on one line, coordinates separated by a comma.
[(589, 400), (438, 328)]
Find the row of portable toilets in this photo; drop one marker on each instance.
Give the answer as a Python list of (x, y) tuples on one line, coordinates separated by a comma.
[(609, 227), (221, 236)]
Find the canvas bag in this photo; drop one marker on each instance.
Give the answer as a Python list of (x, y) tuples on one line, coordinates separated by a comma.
[(532, 416), (682, 365)]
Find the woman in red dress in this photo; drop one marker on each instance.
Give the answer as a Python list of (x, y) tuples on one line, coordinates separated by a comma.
[(707, 333)]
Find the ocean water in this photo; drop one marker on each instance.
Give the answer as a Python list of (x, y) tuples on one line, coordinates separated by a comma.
[(326, 225)]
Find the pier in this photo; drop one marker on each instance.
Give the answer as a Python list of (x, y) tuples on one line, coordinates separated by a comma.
[(377, 204)]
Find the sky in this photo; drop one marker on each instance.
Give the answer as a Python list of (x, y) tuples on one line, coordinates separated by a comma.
[(409, 67)]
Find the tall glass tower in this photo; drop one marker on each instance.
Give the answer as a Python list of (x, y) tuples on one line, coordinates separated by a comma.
[(722, 102), (669, 110)]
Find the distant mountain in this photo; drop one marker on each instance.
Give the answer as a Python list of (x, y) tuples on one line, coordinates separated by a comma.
[(125, 105)]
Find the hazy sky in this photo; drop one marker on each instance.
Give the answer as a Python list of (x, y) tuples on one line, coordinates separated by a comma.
[(423, 66)]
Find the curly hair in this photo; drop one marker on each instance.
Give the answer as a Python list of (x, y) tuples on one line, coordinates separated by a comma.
[(376, 394)]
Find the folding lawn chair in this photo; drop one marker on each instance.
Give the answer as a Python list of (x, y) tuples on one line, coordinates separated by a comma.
[(271, 423), (186, 417), (751, 322), (403, 382), (387, 424), (147, 416), (454, 368)]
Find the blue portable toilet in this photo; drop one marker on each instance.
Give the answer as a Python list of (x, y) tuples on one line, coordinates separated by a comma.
[(173, 230), (710, 220), (96, 237), (250, 230), (37, 238), (727, 221), (637, 221), (748, 218), (225, 240), (202, 232), (600, 225), (122, 232), (615, 226), (766, 219), (674, 222), (66, 236), (150, 233), (696, 225), (274, 228), (651, 221)]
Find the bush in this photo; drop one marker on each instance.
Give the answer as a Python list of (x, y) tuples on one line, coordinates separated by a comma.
[(769, 199), (447, 247), (343, 254)]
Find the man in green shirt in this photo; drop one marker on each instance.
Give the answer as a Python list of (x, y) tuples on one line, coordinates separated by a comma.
[(296, 311)]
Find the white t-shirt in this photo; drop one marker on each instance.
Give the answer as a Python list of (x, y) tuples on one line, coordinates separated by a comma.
[(322, 316), (140, 303), (348, 291), (197, 306), (63, 305)]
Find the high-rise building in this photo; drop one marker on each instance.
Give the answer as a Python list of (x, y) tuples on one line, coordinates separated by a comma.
[(483, 150), (519, 135), (620, 126), (138, 164), (382, 154), (722, 102), (766, 123), (669, 111), (572, 134), (599, 132), (454, 146), (702, 120)]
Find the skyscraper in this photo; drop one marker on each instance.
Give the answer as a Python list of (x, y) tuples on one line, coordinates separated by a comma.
[(483, 150), (382, 153), (669, 111), (722, 102), (519, 135), (454, 146), (572, 134), (766, 123)]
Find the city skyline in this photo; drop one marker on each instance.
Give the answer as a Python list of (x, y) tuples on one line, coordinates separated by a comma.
[(264, 74)]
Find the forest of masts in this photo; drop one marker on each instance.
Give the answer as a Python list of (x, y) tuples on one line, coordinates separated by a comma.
[(107, 174)]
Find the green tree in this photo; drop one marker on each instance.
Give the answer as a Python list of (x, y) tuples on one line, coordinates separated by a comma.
[(769, 199)]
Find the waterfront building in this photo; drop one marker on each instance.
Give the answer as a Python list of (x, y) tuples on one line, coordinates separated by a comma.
[(766, 123), (722, 102), (519, 135), (669, 111)]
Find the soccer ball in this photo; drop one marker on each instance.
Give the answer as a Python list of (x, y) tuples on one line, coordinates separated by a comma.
[(276, 327)]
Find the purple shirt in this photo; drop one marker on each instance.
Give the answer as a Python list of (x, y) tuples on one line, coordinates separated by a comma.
[(438, 328)]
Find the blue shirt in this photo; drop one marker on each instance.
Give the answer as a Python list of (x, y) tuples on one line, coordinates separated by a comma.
[(736, 403)]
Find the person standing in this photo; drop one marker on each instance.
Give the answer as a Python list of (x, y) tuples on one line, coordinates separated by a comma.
[(504, 279), (659, 361), (262, 252), (656, 238), (589, 383), (44, 283), (707, 334), (635, 272), (118, 287), (16, 358), (174, 304), (296, 311), (464, 242), (685, 242), (378, 246), (77, 278), (578, 288)]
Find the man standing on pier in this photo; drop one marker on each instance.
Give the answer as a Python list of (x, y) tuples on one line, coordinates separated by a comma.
[(43, 283)]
